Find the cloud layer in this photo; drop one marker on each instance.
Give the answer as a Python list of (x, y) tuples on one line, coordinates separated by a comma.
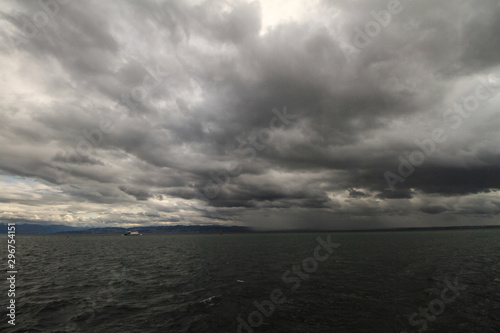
[(333, 114)]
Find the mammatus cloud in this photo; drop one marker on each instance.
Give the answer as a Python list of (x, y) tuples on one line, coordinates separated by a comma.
[(328, 114)]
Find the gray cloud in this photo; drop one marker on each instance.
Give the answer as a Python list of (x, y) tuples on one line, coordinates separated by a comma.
[(433, 209), (133, 112)]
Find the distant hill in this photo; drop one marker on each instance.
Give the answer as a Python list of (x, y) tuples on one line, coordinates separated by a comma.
[(27, 228), (165, 229)]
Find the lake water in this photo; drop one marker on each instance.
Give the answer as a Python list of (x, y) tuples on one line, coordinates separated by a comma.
[(374, 282)]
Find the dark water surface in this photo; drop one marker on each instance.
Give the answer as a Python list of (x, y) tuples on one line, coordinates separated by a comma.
[(373, 283)]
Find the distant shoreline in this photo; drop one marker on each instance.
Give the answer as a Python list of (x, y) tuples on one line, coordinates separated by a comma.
[(33, 229)]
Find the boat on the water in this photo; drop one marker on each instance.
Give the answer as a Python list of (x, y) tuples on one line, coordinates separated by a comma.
[(132, 233)]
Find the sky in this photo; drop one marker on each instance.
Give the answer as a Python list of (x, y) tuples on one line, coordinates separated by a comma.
[(269, 114)]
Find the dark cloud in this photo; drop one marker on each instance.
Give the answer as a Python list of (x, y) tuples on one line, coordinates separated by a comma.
[(433, 209), (357, 194), (136, 193), (223, 111), (396, 194)]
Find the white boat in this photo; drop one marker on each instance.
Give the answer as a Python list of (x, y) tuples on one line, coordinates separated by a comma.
[(132, 233)]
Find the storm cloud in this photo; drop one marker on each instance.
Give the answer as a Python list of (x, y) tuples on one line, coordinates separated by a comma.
[(270, 114)]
